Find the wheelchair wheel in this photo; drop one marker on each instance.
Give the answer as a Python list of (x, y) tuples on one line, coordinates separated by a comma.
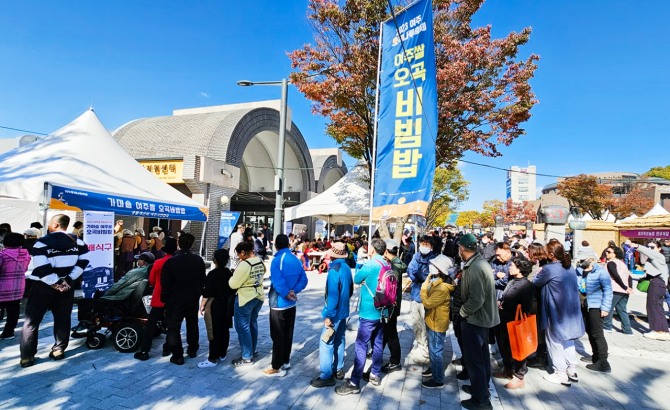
[(127, 338), (95, 341)]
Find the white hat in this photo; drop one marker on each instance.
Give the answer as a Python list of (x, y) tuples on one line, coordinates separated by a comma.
[(443, 263), (585, 253)]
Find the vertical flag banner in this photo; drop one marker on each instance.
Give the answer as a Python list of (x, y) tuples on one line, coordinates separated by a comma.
[(407, 121), (227, 226), (99, 237)]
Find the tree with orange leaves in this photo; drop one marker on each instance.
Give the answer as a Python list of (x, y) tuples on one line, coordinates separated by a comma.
[(484, 95)]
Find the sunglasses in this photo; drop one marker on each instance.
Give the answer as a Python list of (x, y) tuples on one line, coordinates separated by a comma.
[(652, 247), (609, 252)]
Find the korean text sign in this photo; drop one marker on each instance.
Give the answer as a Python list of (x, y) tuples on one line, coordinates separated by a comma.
[(99, 237), (407, 123)]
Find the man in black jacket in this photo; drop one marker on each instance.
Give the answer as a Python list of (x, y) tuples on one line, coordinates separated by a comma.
[(182, 281), (58, 260)]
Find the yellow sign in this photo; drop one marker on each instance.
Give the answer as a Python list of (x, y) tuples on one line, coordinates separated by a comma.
[(167, 171)]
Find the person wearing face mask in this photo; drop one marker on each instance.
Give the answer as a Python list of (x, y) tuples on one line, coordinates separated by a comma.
[(436, 296), (418, 271), (596, 289), (488, 248)]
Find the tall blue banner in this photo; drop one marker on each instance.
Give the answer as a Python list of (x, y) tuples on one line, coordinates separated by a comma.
[(407, 120), (227, 226)]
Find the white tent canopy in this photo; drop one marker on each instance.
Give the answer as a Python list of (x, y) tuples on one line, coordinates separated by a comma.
[(87, 167), (346, 202), (656, 210)]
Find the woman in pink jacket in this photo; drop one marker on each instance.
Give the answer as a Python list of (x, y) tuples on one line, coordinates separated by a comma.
[(14, 262)]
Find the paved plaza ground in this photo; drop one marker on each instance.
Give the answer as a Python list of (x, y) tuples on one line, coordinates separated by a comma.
[(105, 379)]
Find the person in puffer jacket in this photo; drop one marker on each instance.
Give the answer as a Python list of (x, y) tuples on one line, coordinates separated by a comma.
[(14, 261), (596, 285)]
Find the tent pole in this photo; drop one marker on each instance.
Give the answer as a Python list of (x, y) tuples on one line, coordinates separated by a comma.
[(329, 228), (204, 224), (45, 207)]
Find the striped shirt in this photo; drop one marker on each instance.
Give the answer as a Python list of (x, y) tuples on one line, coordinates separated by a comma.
[(57, 256)]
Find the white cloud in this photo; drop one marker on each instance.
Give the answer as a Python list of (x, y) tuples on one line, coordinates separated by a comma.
[(204, 94)]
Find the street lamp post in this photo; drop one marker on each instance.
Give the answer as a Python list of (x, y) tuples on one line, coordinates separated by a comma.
[(277, 225)]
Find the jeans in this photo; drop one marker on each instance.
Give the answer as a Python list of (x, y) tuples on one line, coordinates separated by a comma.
[(594, 329), (368, 331), (436, 350), (281, 332), (619, 303), (43, 297), (477, 359), (331, 354), (418, 315), (246, 326)]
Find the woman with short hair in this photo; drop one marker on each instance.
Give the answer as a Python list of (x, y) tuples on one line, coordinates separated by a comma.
[(656, 269), (620, 276)]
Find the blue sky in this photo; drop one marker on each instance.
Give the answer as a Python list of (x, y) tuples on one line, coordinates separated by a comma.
[(601, 79)]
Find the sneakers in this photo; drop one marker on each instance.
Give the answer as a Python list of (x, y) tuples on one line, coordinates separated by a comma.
[(340, 374), (57, 355), (141, 356), (556, 379), (27, 362), (472, 404), (586, 359), (431, 384), (347, 388), (427, 373), (598, 367), (319, 382), (608, 330), (374, 380), (274, 372), (663, 336), (177, 360), (573, 377), (242, 362), (286, 366), (463, 375), (515, 384), (206, 364), (7, 337), (391, 367)]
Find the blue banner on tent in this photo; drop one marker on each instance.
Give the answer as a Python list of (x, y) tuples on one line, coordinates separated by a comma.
[(227, 226), (407, 124), (81, 200)]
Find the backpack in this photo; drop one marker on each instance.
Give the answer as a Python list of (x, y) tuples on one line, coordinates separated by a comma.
[(387, 288)]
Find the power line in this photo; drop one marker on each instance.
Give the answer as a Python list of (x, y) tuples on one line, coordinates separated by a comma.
[(20, 130), (513, 170)]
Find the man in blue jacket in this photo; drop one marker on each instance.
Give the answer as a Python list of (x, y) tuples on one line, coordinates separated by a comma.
[(288, 278), (418, 272), (339, 288), (370, 327)]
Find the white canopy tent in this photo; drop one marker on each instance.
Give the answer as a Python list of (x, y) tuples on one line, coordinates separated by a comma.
[(656, 211), (346, 202), (82, 167)]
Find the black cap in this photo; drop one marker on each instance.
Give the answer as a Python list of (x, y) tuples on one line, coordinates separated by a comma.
[(36, 225)]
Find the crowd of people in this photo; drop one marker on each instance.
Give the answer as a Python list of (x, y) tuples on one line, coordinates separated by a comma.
[(475, 285)]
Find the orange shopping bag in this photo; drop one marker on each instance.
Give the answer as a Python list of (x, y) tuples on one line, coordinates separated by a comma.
[(522, 335)]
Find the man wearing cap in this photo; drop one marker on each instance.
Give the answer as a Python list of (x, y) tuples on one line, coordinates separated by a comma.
[(370, 328), (479, 313), (339, 288), (157, 306), (182, 281), (287, 278), (391, 325), (59, 259), (595, 286), (418, 270)]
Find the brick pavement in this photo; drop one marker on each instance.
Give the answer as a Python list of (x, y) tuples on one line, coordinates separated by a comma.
[(92, 379)]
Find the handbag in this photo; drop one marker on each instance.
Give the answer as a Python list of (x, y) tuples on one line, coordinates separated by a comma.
[(522, 335), (643, 284)]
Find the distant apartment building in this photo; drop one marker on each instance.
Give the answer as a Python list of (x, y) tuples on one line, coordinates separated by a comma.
[(521, 184)]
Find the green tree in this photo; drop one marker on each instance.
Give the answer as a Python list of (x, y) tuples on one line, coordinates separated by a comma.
[(659, 172), (450, 189), (467, 218)]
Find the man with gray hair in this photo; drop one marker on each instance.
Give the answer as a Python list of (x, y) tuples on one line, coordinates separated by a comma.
[(370, 327)]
